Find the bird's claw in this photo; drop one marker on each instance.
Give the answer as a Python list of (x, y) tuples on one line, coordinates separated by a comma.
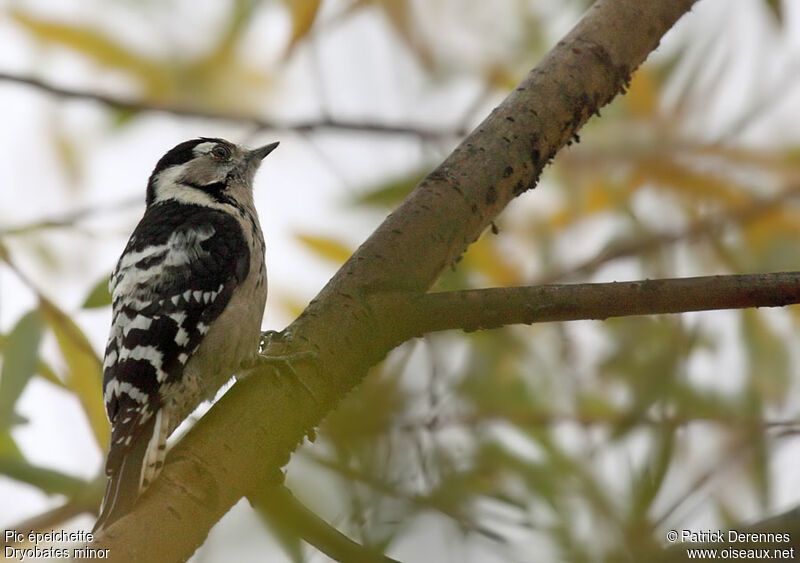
[(281, 362)]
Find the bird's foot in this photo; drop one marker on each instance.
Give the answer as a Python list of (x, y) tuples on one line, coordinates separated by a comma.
[(281, 363)]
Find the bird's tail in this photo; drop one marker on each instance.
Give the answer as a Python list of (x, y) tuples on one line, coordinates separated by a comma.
[(136, 466)]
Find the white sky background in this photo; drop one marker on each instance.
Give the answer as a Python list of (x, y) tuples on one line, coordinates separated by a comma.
[(359, 71)]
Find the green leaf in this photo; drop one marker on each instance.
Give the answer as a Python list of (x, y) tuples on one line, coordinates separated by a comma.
[(648, 482), (8, 447), (768, 358), (85, 376), (20, 359), (99, 296), (284, 530), (775, 7), (389, 194), (119, 118), (44, 371), (47, 480)]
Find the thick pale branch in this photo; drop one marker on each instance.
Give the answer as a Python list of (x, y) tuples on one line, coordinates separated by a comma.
[(261, 123), (490, 308), (259, 422)]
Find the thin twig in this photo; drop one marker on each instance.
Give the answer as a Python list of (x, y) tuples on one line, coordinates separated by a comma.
[(70, 218), (280, 509), (54, 518), (258, 122)]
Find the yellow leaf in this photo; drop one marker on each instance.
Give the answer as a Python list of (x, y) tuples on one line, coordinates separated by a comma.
[(595, 195), (68, 152), (484, 257), (780, 223), (560, 219), (325, 247), (685, 181), (85, 376), (500, 77), (99, 47), (293, 305), (599, 197), (46, 372), (642, 97), (398, 12), (303, 13), (219, 78)]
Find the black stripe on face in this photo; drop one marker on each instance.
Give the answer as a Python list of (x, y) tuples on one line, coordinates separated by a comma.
[(217, 191), (214, 189), (177, 155)]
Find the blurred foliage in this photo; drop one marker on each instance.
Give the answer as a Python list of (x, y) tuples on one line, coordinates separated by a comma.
[(99, 295), (586, 439), (83, 375), (325, 247)]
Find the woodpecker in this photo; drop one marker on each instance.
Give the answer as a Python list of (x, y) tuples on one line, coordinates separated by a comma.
[(188, 296)]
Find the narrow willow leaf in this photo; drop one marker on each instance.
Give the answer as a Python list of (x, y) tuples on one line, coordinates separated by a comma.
[(776, 9), (687, 182), (98, 47), (768, 358), (8, 447), (303, 13), (44, 370), (647, 483), (99, 296), (389, 194), (20, 358), (292, 305), (85, 376), (642, 97), (47, 480), (285, 533), (67, 151), (399, 14), (325, 247), (485, 257)]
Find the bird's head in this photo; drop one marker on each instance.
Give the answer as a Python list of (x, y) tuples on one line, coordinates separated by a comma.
[(205, 171)]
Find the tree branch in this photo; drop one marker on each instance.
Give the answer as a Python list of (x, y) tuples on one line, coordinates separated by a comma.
[(70, 218), (261, 123), (253, 429), (280, 509), (479, 309)]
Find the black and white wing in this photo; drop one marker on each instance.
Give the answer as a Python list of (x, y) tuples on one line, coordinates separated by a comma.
[(174, 278)]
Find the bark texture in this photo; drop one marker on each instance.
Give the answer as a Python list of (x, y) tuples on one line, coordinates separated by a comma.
[(352, 323)]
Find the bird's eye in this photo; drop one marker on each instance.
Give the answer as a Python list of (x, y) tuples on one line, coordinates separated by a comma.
[(221, 152)]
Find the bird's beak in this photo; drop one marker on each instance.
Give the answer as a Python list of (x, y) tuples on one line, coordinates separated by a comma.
[(258, 154)]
